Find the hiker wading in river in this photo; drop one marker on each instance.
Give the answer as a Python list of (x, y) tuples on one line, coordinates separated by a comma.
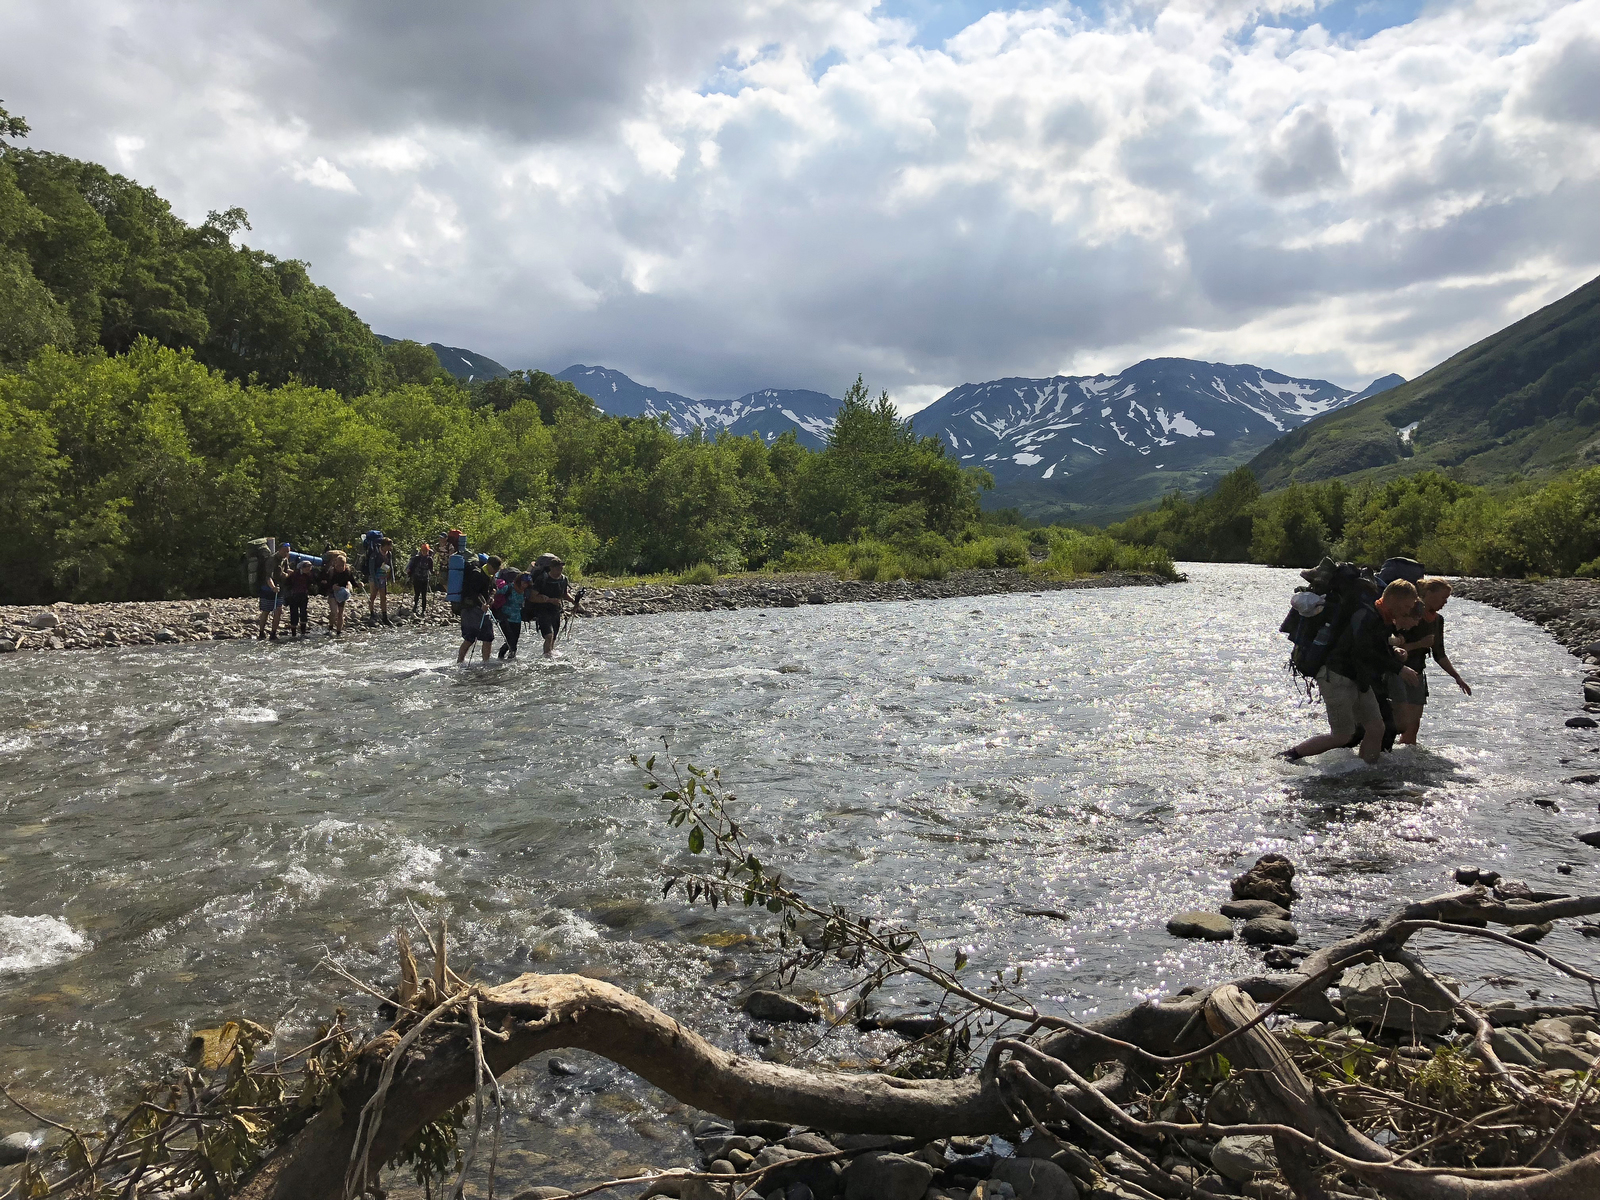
[(546, 600), (1363, 660), (1420, 644)]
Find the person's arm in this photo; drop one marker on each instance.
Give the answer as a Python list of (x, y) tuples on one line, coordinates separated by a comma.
[(1445, 665)]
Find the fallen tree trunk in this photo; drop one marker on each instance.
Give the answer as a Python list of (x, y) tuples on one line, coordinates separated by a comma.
[(438, 1067), (537, 1013)]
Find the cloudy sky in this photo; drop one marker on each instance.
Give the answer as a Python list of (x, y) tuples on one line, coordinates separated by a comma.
[(721, 195)]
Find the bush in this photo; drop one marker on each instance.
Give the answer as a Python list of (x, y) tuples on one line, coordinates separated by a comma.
[(699, 573), (1012, 554)]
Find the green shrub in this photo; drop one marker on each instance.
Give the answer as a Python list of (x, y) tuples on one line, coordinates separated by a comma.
[(1012, 554), (699, 573)]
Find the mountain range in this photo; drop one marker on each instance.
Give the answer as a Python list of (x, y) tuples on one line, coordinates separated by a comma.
[(1520, 403), (465, 365), (1089, 447), (768, 413), (1083, 447)]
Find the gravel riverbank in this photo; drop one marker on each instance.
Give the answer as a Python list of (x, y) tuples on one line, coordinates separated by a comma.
[(175, 622)]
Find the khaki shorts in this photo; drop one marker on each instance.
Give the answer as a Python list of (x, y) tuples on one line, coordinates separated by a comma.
[(1347, 706)]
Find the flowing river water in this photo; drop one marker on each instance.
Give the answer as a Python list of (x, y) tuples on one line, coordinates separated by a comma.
[(185, 832)]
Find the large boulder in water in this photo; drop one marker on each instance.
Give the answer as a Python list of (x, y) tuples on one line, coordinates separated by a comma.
[(1269, 879)]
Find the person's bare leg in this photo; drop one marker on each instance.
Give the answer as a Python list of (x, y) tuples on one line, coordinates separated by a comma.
[(1408, 719), (461, 654), (1320, 744), (277, 615), (1372, 742), (487, 646)]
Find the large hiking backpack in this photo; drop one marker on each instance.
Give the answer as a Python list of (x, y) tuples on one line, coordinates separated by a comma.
[(1314, 633), (1408, 569), (258, 563)]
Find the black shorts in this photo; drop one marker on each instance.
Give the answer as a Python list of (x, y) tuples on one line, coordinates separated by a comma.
[(547, 618)]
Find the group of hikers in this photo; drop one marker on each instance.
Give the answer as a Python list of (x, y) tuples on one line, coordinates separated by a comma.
[(1366, 640), (486, 593)]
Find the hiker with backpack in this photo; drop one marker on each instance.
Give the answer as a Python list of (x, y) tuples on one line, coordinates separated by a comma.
[(551, 590), (1424, 642), (420, 572), (1344, 644), (271, 591), (380, 572), (510, 592), (477, 622)]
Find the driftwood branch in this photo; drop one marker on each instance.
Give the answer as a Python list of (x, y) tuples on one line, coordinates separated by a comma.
[(411, 1076)]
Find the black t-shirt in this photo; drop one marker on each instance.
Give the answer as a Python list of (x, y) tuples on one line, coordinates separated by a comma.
[(1417, 660), (475, 586), (551, 590)]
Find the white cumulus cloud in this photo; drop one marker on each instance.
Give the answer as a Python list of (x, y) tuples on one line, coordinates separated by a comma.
[(718, 195)]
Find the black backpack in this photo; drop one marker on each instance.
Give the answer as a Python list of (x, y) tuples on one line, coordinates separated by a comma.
[(1312, 638)]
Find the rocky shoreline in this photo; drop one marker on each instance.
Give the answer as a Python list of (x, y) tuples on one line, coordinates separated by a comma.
[(176, 622)]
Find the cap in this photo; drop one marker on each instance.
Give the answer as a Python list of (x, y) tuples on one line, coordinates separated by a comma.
[(555, 561)]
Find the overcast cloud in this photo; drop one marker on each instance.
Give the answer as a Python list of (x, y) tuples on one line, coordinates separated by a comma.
[(721, 195)]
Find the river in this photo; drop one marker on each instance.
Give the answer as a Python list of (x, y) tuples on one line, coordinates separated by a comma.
[(184, 832)]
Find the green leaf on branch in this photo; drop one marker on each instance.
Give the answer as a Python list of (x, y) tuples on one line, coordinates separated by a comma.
[(697, 840)]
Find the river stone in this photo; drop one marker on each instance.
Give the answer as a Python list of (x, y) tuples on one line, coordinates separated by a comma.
[(1249, 910), (1243, 1158), (775, 1006), (1267, 931), (1581, 723), (1532, 933), (1196, 924), (1572, 1058), (1270, 879), (44, 620), (1035, 1179), (1553, 1029), (15, 1147), (993, 1189), (880, 1175), (1582, 779), (542, 1193), (1389, 995), (1592, 838), (1515, 1047)]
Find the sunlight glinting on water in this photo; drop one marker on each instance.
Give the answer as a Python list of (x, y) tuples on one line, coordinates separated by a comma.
[(184, 831)]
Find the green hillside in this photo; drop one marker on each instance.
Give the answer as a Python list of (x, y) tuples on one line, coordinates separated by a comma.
[(1520, 404)]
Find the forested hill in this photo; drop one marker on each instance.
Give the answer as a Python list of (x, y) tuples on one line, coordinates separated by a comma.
[(1520, 403), (167, 395)]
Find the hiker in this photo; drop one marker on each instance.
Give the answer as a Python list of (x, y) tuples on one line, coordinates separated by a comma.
[(379, 572), (272, 592), (1361, 661), (420, 571), (477, 624), (1421, 643), (297, 593), (551, 589), (511, 591), (341, 579)]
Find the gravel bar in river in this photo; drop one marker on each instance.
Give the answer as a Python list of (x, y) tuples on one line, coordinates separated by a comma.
[(173, 622)]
